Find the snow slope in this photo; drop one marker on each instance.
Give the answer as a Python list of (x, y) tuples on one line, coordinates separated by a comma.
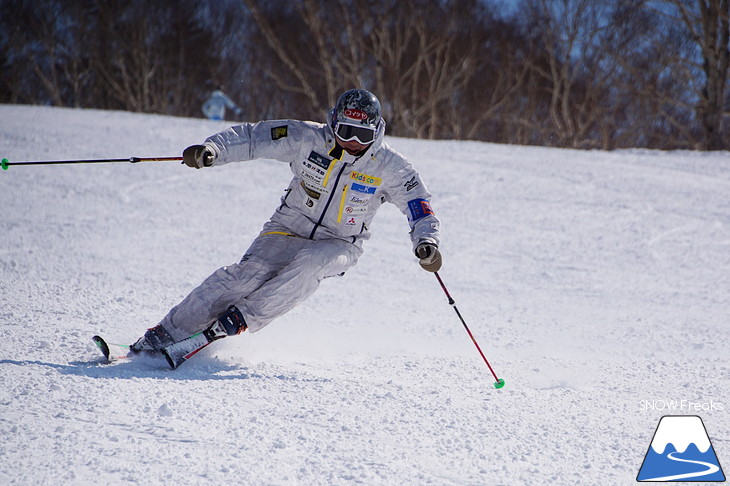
[(596, 283)]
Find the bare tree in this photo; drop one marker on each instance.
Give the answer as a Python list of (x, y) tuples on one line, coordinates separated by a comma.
[(693, 54), (485, 108), (570, 63), (426, 55), (294, 64), (42, 63), (709, 24), (575, 73)]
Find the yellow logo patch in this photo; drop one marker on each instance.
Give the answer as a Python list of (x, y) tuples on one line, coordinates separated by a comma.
[(366, 179), (279, 132)]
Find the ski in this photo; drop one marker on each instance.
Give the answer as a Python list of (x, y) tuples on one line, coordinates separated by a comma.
[(177, 353), (112, 352), (181, 351)]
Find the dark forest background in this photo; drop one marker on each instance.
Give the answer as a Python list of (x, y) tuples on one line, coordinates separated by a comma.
[(568, 73)]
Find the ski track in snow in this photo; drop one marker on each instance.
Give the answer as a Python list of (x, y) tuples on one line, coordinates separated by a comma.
[(591, 280)]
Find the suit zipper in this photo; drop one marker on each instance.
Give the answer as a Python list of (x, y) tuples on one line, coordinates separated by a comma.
[(333, 192)]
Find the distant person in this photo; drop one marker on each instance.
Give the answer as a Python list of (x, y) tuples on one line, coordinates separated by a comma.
[(215, 106), (343, 172)]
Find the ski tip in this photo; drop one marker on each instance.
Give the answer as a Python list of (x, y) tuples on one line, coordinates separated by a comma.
[(499, 384), (102, 345)]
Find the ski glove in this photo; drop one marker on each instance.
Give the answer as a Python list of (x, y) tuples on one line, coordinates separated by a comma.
[(430, 257), (197, 156)]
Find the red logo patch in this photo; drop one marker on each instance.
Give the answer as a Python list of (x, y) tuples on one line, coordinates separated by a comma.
[(426, 207), (356, 114)]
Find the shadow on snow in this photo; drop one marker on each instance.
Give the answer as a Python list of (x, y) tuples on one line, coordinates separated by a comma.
[(206, 369)]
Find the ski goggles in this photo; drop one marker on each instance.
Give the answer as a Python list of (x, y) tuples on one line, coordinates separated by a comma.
[(346, 133)]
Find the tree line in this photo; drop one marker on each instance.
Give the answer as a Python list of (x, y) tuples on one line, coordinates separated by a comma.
[(566, 73)]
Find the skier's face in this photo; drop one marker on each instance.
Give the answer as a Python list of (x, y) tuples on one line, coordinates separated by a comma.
[(353, 147)]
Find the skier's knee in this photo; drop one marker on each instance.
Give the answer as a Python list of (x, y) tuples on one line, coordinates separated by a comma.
[(331, 262)]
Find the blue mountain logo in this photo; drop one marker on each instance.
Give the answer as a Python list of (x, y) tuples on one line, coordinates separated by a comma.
[(681, 451)]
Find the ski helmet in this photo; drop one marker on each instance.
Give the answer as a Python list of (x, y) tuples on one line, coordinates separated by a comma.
[(356, 116)]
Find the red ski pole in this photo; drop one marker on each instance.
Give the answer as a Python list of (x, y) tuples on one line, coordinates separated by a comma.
[(499, 382)]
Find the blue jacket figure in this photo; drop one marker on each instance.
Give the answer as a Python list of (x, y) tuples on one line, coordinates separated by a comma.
[(215, 106)]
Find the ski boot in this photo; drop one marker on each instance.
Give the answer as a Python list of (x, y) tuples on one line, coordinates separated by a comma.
[(229, 323), (153, 340)]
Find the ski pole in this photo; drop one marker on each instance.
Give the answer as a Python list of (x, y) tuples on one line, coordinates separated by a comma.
[(499, 383), (5, 163)]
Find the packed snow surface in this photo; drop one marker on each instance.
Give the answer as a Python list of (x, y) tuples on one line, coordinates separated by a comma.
[(596, 283)]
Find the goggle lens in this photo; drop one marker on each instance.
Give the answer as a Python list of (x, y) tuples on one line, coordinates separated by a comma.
[(363, 135)]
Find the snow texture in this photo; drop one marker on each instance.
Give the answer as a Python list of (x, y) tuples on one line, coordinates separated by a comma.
[(596, 283)]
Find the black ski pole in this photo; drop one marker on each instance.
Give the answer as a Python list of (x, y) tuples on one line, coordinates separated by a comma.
[(499, 383), (5, 163)]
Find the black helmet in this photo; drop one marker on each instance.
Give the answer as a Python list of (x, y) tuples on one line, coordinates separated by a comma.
[(356, 116)]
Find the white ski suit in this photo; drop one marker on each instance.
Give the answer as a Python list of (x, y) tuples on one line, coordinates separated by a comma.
[(318, 229)]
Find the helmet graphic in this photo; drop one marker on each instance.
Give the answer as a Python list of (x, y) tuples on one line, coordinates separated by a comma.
[(356, 116)]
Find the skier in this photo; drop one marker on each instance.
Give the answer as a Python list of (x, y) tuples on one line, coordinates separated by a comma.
[(215, 106), (343, 172)]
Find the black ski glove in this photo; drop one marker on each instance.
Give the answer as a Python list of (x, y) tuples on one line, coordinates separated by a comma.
[(430, 257), (197, 156)]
